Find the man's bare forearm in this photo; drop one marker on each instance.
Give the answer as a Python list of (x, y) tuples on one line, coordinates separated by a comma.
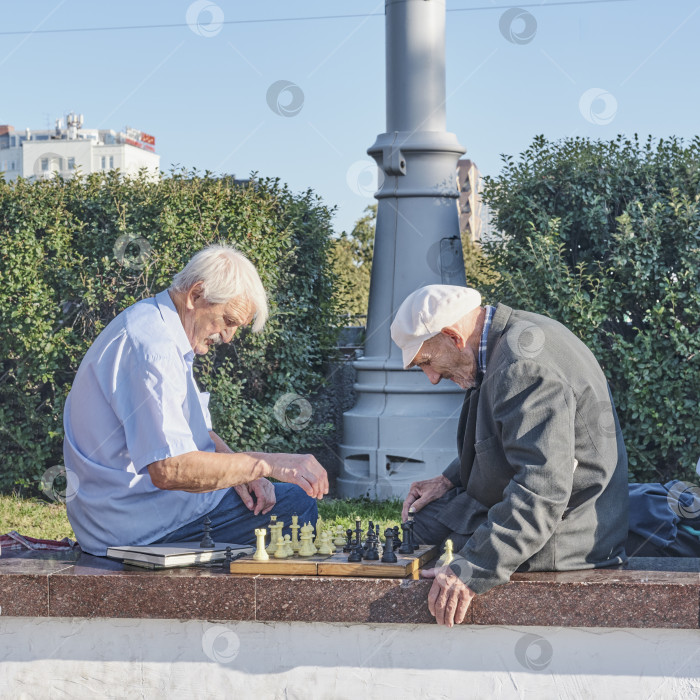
[(198, 472)]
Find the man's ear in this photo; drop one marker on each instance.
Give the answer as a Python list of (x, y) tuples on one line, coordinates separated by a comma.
[(195, 294), (455, 336)]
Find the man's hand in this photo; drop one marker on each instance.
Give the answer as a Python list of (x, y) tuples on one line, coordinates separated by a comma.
[(264, 493), (302, 470), (423, 492), (449, 597)]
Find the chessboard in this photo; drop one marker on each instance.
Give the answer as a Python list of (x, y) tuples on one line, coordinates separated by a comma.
[(360, 553), (407, 566)]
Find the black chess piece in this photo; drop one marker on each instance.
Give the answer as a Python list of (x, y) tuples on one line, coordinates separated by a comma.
[(356, 554), (411, 536), (397, 539), (406, 546), (389, 557), (371, 554), (226, 564), (348, 544), (358, 533), (207, 542)]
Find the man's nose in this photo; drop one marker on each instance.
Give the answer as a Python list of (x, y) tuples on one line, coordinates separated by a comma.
[(432, 375), (227, 334)]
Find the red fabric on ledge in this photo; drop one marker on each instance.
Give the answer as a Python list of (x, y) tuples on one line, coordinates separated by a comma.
[(13, 540)]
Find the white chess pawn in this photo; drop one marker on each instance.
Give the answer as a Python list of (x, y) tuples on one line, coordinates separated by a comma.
[(283, 548), (325, 545), (339, 540)]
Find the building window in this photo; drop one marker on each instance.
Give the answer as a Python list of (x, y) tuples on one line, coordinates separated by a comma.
[(111, 162), (44, 164), (12, 166), (104, 162), (71, 164)]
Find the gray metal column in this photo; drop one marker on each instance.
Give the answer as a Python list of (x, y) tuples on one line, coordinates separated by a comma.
[(402, 428)]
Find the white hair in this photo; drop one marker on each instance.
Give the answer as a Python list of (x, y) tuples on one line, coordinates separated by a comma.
[(225, 274)]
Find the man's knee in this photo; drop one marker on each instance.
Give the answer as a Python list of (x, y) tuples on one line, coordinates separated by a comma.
[(293, 500), (427, 529)]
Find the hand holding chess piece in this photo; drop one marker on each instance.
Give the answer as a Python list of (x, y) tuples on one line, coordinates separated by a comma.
[(449, 597)]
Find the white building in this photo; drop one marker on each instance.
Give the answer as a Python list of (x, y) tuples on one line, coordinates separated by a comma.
[(474, 214), (41, 153)]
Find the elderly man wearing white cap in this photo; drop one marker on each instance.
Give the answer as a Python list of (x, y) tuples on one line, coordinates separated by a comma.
[(540, 481)]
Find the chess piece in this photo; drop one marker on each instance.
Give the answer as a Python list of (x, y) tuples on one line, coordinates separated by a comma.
[(260, 553), (331, 544), (339, 540), (411, 537), (356, 554), (307, 548), (371, 553), (370, 532), (226, 564), (397, 539), (448, 556), (348, 544), (295, 533), (282, 551), (207, 542), (380, 548), (406, 546), (272, 547), (278, 539), (317, 538), (358, 533), (324, 546), (389, 557)]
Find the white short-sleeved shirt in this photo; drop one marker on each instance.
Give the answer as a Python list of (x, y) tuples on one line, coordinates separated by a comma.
[(134, 401)]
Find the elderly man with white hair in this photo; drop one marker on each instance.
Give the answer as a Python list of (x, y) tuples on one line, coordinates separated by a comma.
[(540, 483), (141, 455)]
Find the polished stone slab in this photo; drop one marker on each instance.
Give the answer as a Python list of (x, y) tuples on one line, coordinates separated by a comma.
[(97, 587), (321, 599), (653, 593)]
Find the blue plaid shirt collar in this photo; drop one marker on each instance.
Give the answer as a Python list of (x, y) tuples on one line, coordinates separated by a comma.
[(484, 337)]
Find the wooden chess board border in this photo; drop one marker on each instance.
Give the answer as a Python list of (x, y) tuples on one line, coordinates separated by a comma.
[(408, 565)]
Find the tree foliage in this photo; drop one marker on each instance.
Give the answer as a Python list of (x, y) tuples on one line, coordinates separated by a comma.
[(352, 266), (74, 253), (605, 237)]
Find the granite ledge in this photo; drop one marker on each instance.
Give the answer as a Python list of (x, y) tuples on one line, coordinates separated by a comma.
[(652, 593)]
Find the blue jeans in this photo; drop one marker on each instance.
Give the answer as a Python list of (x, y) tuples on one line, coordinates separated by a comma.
[(232, 522)]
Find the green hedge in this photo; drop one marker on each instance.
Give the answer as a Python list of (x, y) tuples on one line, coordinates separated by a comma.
[(605, 237), (74, 253)]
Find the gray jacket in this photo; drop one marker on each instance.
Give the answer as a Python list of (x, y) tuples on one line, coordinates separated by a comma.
[(540, 447)]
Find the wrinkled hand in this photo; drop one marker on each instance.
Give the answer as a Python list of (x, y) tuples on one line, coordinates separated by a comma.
[(423, 492), (264, 492), (449, 597), (302, 470)]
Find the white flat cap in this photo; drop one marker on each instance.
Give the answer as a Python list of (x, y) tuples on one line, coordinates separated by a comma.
[(425, 312)]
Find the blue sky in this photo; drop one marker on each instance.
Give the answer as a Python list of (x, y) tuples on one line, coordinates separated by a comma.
[(595, 69)]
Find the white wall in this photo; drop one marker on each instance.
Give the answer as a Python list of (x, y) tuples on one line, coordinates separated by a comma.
[(34, 151), (136, 158), (78, 658)]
